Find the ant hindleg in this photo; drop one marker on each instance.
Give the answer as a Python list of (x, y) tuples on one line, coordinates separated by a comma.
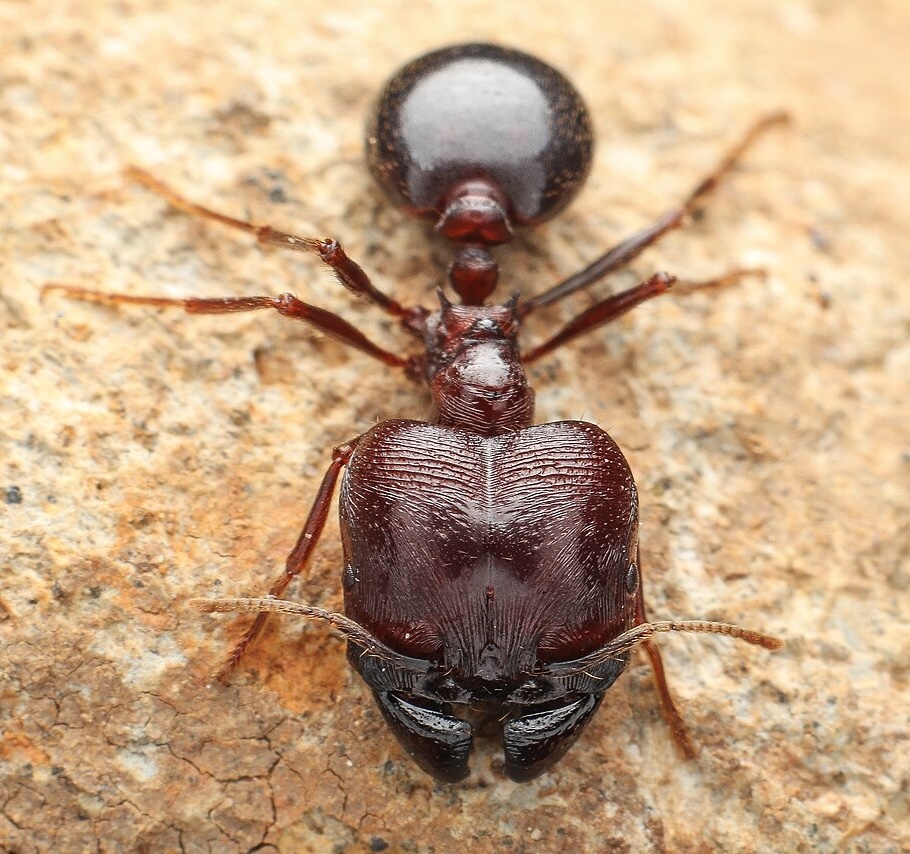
[(630, 248), (349, 273)]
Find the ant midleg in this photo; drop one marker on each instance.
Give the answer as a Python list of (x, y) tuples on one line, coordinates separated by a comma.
[(286, 304), (613, 306), (632, 246), (603, 312), (683, 287), (349, 273)]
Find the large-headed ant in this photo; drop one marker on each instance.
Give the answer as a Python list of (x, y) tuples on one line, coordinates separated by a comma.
[(489, 562)]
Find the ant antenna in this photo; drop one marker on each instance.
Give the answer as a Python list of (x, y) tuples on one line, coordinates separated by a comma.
[(645, 631), (348, 627)]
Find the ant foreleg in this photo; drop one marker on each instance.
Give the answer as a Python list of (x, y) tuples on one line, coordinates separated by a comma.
[(350, 274), (301, 553), (671, 714), (631, 247)]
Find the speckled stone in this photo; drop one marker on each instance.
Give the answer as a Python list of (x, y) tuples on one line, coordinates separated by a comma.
[(148, 457)]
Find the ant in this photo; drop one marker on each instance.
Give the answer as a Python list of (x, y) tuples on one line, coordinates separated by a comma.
[(488, 562)]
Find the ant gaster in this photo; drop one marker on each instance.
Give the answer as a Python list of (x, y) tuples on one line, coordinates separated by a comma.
[(489, 563)]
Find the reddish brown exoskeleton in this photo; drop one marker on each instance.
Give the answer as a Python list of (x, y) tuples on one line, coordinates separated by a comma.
[(489, 562)]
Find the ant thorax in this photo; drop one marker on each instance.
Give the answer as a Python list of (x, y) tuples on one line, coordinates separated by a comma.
[(474, 368)]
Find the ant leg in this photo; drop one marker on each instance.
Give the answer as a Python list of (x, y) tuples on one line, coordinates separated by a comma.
[(631, 247), (286, 304), (300, 555), (603, 312), (671, 714), (350, 274), (613, 306)]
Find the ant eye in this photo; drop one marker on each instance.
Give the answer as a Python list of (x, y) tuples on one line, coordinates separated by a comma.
[(632, 579)]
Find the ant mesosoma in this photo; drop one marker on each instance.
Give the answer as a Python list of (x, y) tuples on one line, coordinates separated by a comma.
[(489, 562)]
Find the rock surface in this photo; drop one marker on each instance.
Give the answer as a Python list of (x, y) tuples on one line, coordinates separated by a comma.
[(149, 457)]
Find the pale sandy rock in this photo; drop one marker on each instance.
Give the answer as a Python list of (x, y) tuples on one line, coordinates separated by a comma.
[(148, 458)]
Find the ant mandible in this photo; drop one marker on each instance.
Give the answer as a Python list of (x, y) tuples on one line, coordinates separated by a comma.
[(489, 562)]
